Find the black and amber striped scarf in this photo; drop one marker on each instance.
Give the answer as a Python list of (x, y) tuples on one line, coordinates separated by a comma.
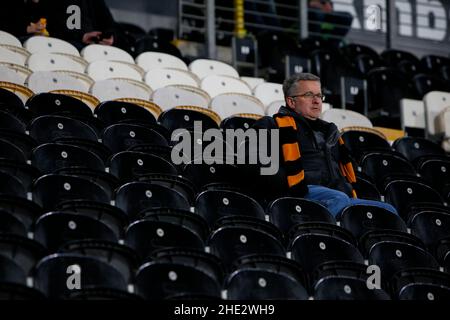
[(293, 159)]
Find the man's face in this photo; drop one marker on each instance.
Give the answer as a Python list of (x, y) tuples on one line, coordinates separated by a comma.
[(305, 99)]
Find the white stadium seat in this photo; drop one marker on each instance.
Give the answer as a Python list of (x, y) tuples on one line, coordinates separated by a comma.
[(14, 73), (43, 61), (96, 52), (412, 114), (9, 39), (229, 104), (45, 81), (102, 70), (346, 118), (252, 82), (156, 60), (10, 55), (216, 85), (48, 44), (274, 106), (159, 78), (118, 88), (435, 102), (206, 67), (180, 95), (269, 92)]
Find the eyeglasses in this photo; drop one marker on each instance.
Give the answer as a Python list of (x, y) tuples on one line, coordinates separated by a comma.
[(310, 95)]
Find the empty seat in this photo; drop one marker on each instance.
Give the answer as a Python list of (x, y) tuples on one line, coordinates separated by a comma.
[(425, 285), (9, 39), (96, 52), (214, 204), (346, 288), (402, 194), (362, 140), (24, 172), (164, 280), (122, 136), (135, 197), (50, 190), (44, 61), (286, 213), (206, 67), (20, 141), (155, 60), (166, 229), (48, 128), (230, 104), (53, 103), (430, 226), (393, 257), (215, 85), (10, 185), (412, 115), (172, 96), (311, 250), (111, 216), (9, 55), (112, 89), (14, 74), (112, 112), (18, 257), (56, 229), (240, 121), (236, 237), (130, 165), (346, 118), (52, 274), (155, 43), (9, 151), (359, 219), (414, 148), (186, 118), (159, 78), (380, 166), (93, 146), (106, 69), (269, 92), (365, 189), (435, 102), (386, 87), (48, 44), (435, 171), (433, 63), (259, 284), (45, 81), (50, 157), (202, 174), (425, 83), (252, 82)]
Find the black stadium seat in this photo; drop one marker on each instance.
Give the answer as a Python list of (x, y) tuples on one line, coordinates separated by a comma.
[(50, 157), (215, 204), (51, 275), (49, 128), (414, 148), (10, 122), (112, 112), (57, 104), (121, 137)]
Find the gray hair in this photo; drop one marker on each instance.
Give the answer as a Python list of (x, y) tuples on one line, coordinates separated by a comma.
[(290, 83)]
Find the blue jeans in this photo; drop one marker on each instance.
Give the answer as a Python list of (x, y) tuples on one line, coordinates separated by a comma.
[(336, 201)]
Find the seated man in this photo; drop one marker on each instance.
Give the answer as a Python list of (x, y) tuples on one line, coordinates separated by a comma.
[(314, 157), (97, 23)]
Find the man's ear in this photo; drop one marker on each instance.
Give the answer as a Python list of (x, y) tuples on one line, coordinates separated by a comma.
[(290, 103)]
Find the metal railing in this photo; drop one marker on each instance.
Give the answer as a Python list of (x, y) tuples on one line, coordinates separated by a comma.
[(294, 18)]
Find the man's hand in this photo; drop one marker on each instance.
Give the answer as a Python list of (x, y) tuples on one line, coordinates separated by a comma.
[(107, 41), (34, 28), (91, 37)]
